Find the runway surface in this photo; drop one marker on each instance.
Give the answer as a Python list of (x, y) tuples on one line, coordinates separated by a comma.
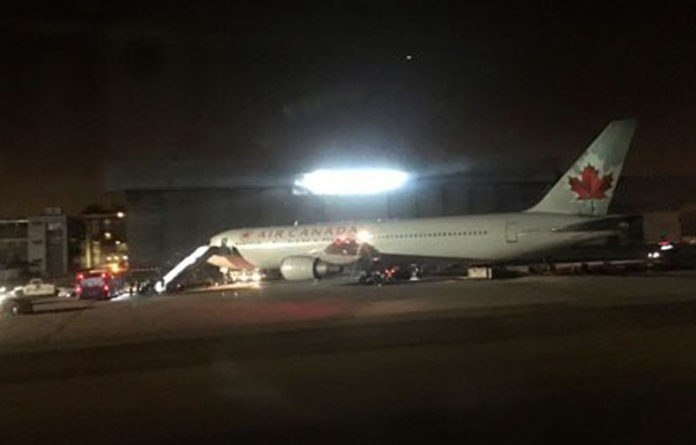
[(529, 360)]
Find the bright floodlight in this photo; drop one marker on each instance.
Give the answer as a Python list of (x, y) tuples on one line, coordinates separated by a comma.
[(363, 236), (363, 181)]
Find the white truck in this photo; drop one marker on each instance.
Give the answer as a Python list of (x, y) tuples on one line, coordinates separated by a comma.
[(35, 288)]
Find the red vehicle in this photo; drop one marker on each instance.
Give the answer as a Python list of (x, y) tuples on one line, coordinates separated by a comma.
[(98, 284)]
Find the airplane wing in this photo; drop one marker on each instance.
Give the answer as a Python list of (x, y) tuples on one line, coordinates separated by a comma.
[(345, 251)]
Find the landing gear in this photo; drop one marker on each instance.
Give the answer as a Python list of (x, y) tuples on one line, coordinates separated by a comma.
[(415, 271), (379, 275), (373, 277)]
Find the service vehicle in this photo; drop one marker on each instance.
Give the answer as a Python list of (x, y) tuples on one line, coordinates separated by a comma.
[(98, 284), (10, 305), (35, 288)]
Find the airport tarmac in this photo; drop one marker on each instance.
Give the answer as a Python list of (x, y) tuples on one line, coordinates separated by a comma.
[(533, 359)]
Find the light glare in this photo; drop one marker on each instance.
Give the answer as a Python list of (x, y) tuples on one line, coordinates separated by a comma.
[(366, 181), (364, 237)]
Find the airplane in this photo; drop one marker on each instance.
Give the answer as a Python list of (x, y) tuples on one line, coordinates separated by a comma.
[(573, 211)]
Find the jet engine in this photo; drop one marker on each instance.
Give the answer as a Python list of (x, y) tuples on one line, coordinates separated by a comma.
[(296, 268)]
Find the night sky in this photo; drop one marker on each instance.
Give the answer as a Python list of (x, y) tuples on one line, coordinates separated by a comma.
[(419, 84)]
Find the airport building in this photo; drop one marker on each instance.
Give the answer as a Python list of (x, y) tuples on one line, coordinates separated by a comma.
[(173, 208)]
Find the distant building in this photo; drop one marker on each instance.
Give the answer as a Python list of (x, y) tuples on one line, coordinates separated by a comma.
[(37, 244), (103, 241), (54, 245)]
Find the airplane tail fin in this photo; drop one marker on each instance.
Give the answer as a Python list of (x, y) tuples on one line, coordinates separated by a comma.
[(588, 186)]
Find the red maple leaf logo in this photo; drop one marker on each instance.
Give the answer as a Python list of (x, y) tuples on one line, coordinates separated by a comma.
[(589, 185)]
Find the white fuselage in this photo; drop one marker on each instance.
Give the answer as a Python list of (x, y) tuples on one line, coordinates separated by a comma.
[(488, 238)]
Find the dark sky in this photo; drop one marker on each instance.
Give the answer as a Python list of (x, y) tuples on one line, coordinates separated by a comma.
[(330, 83)]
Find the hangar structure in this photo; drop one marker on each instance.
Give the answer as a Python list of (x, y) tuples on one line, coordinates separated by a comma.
[(173, 207)]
